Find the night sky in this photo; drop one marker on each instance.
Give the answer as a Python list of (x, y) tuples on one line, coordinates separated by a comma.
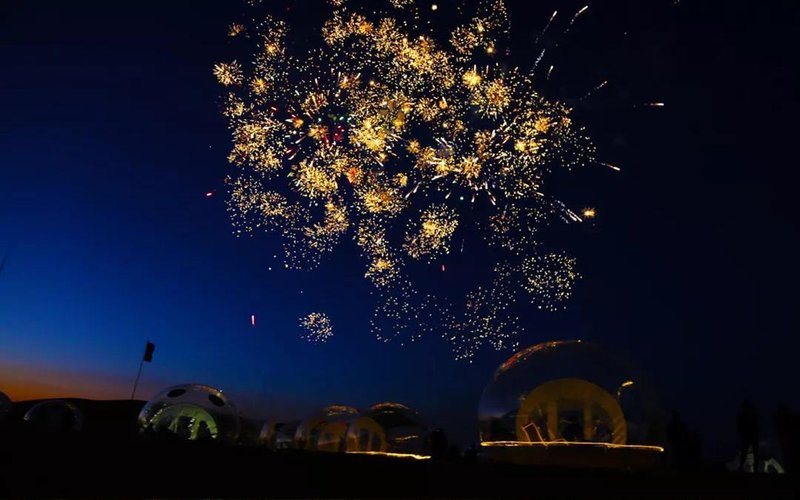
[(110, 138)]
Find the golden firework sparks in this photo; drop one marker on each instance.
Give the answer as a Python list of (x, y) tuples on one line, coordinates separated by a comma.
[(391, 132), (317, 328)]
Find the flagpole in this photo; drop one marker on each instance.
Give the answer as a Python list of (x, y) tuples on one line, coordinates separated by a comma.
[(148, 356), (135, 384)]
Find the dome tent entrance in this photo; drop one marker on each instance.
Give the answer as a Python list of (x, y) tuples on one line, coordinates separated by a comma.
[(573, 410), (186, 421)]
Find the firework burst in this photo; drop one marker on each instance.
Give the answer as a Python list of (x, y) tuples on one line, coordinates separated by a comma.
[(393, 132), (316, 327)]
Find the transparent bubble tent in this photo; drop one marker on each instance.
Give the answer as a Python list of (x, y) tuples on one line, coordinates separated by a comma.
[(54, 415), (326, 429), (191, 412), (570, 403), (389, 429), (278, 435)]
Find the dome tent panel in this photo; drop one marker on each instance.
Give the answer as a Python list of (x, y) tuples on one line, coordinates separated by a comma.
[(366, 435), (330, 436)]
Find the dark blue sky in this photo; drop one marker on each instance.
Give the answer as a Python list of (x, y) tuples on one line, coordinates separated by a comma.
[(110, 136)]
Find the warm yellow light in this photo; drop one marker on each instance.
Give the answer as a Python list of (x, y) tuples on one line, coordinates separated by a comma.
[(393, 455), (589, 213), (547, 444), (625, 384), (434, 7), (472, 78)]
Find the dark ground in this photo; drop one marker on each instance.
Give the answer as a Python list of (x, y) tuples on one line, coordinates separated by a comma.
[(108, 459)]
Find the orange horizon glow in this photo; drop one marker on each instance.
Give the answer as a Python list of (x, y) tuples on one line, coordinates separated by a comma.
[(24, 383)]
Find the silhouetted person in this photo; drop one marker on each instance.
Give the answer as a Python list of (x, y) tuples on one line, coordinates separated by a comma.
[(438, 444), (677, 438), (203, 432), (183, 428), (453, 453), (573, 431), (471, 454), (787, 427), (602, 434), (694, 451), (747, 426)]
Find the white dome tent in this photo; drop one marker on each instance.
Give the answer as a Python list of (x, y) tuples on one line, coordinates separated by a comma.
[(191, 412)]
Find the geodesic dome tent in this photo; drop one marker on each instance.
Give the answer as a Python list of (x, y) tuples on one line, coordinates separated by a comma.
[(191, 412), (326, 430), (570, 403), (389, 428), (54, 415)]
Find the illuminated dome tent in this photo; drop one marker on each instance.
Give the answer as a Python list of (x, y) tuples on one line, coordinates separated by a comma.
[(191, 412), (389, 429), (278, 435), (569, 403), (326, 430), (54, 415)]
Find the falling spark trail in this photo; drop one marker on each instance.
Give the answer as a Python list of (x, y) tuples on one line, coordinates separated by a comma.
[(612, 167), (549, 22), (602, 84), (581, 11), (572, 21), (536, 63)]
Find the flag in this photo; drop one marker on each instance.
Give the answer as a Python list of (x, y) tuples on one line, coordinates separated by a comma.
[(148, 351)]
